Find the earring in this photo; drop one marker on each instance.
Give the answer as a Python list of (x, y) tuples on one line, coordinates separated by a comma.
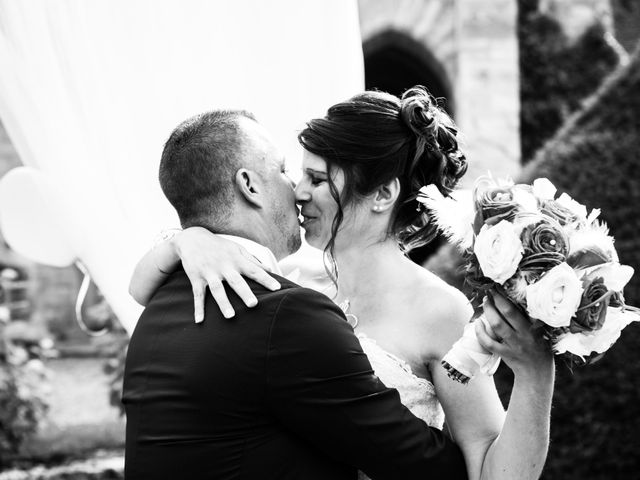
[(376, 208)]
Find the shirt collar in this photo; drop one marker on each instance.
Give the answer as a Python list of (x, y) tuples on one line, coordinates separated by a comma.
[(260, 252)]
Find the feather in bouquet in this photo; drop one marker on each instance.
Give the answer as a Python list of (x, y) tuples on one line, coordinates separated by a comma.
[(548, 255)]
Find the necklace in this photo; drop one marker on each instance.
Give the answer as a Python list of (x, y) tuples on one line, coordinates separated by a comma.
[(352, 319)]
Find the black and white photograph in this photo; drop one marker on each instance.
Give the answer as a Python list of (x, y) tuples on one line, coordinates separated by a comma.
[(319, 239)]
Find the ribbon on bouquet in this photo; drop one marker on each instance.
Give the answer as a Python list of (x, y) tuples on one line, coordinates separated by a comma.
[(467, 357)]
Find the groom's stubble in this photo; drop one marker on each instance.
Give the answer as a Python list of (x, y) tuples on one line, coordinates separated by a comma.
[(285, 217), (281, 210)]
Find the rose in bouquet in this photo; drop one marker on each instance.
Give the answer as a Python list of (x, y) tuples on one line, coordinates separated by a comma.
[(551, 257)]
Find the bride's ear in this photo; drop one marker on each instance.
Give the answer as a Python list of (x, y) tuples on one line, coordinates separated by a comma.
[(250, 188), (386, 195)]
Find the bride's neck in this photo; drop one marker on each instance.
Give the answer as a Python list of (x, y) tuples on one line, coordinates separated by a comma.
[(363, 268)]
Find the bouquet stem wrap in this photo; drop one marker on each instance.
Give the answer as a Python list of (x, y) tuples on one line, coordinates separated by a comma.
[(467, 357)]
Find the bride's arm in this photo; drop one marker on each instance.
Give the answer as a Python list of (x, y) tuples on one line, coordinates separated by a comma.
[(152, 270), (497, 445), (208, 260)]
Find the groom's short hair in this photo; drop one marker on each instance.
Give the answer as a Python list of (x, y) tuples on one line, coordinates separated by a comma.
[(198, 165)]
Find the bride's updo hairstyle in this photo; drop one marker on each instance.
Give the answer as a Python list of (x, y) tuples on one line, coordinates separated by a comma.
[(375, 137)]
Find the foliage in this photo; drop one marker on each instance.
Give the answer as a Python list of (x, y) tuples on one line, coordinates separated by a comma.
[(595, 159), (626, 19), (24, 388), (556, 74)]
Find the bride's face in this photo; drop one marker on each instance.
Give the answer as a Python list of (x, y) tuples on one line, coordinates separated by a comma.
[(319, 208)]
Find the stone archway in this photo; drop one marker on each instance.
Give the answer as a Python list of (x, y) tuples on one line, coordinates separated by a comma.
[(394, 62), (469, 47)]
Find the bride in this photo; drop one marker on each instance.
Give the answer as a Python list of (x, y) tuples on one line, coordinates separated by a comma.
[(363, 165)]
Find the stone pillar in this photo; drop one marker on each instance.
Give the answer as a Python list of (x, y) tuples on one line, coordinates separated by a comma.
[(487, 86)]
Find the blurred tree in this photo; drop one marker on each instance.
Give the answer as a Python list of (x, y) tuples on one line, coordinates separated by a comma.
[(555, 73), (590, 150), (594, 157), (626, 19)]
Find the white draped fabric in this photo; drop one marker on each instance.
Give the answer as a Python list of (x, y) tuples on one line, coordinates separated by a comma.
[(90, 90)]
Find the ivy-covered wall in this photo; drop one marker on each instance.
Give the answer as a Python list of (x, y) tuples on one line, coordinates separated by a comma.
[(596, 159)]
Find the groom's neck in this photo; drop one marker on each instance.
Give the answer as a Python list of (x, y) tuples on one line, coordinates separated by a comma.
[(251, 229)]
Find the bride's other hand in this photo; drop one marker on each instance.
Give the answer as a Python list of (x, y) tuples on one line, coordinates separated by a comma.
[(507, 332), (209, 260)]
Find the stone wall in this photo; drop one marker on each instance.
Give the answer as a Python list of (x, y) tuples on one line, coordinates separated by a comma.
[(487, 86)]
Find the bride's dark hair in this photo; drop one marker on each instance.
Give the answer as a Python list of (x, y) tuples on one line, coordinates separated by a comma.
[(375, 137)]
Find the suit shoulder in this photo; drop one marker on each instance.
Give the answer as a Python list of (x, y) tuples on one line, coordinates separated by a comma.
[(297, 297), (286, 283), (294, 293), (308, 327), (309, 312)]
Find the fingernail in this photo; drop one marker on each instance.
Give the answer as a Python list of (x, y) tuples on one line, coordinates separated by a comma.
[(199, 319), (252, 303), (228, 313), (274, 286)]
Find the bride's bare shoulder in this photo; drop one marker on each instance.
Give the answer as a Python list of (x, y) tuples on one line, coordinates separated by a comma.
[(441, 311)]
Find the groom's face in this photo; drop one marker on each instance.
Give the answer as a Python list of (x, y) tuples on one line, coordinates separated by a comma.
[(280, 201)]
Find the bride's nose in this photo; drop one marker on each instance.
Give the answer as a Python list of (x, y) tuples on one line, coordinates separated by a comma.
[(302, 193)]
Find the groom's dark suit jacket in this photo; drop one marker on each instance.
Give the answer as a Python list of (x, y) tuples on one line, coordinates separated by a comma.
[(283, 390)]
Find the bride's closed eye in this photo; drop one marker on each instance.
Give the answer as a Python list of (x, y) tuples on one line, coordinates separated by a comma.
[(315, 181), (316, 178)]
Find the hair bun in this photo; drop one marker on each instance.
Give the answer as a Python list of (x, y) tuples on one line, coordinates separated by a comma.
[(420, 113), (438, 158)]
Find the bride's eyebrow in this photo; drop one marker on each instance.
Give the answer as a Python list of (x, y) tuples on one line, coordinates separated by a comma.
[(315, 172)]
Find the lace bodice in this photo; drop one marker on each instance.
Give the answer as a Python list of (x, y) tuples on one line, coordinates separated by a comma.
[(416, 393)]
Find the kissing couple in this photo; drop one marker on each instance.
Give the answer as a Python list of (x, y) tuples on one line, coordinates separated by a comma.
[(294, 386)]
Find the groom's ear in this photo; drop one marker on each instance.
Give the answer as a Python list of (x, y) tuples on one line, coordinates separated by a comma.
[(249, 185), (386, 195)]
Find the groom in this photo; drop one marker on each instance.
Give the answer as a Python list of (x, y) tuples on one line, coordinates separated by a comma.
[(284, 389)]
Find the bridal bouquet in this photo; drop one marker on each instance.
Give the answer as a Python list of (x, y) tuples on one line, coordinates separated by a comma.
[(548, 255)]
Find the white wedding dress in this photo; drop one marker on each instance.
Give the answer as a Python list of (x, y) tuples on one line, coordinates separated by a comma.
[(416, 393)]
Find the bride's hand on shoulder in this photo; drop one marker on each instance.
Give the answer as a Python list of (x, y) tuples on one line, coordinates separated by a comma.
[(210, 260), (507, 332)]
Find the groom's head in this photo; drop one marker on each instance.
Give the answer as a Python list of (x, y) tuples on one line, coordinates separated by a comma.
[(221, 170)]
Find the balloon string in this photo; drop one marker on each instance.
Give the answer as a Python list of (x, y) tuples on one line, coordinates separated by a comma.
[(82, 295)]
